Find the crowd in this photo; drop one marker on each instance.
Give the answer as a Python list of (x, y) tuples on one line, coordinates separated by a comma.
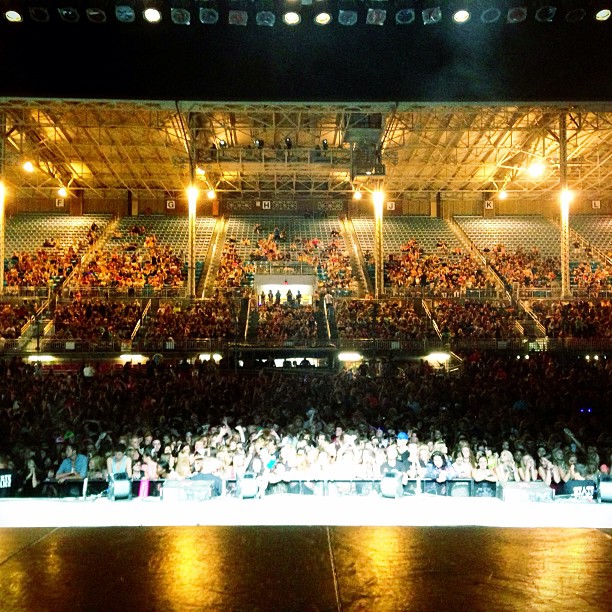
[(498, 418), (40, 268), (286, 322), (526, 268), (13, 316), (581, 319)]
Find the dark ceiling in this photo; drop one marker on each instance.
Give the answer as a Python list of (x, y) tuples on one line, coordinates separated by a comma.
[(476, 62)]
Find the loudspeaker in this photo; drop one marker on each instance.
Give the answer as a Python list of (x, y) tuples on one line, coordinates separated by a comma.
[(391, 485), (525, 492), (247, 486), (119, 486), (605, 489)]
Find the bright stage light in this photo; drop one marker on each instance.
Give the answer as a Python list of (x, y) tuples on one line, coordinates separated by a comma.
[(348, 356), (461, 16)]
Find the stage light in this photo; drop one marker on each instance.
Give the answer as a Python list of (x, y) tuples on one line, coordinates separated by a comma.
[(357, 195), (28, 166), (503, 195), (536, 169), (322, 14), (152, 11), (179, 12), (348, 356), (516, 14), (62, 192), (96, 12), (490, 15), (264, 15), (223, 144), (376, 15), (347, 12), (40, 14), (125, 11), (546, 13), (603, 14), (461, 16), (259, 143), (13, 15), (291, 18), (208, 12), (431, 15), (405, 16), (237, 15), (210, 194), (41, 358), (288, 143), (69, 14)]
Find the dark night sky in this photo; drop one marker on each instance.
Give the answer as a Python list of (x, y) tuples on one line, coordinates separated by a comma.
[(442, 63)]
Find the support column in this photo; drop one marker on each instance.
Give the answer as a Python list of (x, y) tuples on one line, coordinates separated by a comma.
[(378, 198), (2, 197), (565, 202), (192, 199)]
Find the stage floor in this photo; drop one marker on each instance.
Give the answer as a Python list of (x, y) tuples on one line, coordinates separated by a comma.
[(279, 554)]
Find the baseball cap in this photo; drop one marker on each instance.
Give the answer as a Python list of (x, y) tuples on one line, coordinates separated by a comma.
[(402, 435)]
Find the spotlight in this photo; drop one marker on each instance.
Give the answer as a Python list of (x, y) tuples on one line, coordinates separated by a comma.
[(288, 143), (503, 195), (152, 11), (357, 195), (210, 194), (62, 192), (28, 166), (461, 16), (490, 15), (602, 14), (322, 13), (179, 12), (347, 12), (516, 14), (223, 144), (237, 15), (431, 15), (546, 13), (40, 14), (291, 18), (376, 15), (125, 11), (259, 143), (208, 12), (13, 14), (68, 14), (265, 13)]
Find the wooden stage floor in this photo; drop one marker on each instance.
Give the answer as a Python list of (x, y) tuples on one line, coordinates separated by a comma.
[(267, 558)]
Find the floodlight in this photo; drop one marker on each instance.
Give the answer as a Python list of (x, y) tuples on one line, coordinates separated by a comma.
[(347, 12), (292, 18), (323, 15), (151, 11), (603, 14), (288, 143), (376, 15), (516, 14), (325, 144), (14, 13), (259, 143), (461, 16), (69, 14), (28, 166), (223, 144), (62, 192)]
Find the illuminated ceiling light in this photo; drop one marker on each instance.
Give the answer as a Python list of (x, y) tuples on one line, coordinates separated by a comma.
[(237, 15), (503, 195), (179, 12), (210, 194), (125, 11), (28, 166), (357, 195), (546, 13), (69, 14), (200, 171), (348, 356), (461, 16), (536, 169), (292, 18), (566, 197), (208, 12), (431, 15), (602, 14), (40, 14), (376, 14), (574, 15), (323, 15), (264, 15), (13, 15), (490, 15), (152, 11), (516, 14), (62, 192), (347, 12)]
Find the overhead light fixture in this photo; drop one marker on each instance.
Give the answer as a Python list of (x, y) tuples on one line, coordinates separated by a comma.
[(516, 14), (210, 194), (357, 195), (28, 166), (237, 14), (431, 15), (404, 12), (39, 14), (323, 14), (62, 192), (347, 12), (223, 143), (69, 14), (546, 13), (208, 12), (461, 16), (14, 14), (152, 11), (503, 194), (536, 169), (603, 14), (179, 12), (377, 13), (264, 13), (291, 18), (125, 11), (490, 15)]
